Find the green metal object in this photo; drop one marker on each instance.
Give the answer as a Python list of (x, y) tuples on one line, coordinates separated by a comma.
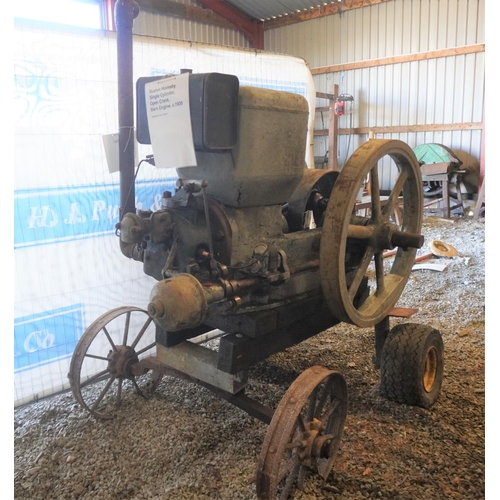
[(435, 153)]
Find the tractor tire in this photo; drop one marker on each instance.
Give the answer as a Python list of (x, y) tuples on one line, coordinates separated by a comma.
[(412, 365)]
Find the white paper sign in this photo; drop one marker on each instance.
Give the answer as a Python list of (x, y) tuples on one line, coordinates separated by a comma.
[(111, 144), (111, 149), (169, 122)]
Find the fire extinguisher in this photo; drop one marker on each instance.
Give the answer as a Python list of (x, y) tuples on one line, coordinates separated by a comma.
[(338, 108)]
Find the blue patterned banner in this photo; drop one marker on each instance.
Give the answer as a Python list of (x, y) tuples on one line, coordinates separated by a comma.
[(47, 337), (55, 215)]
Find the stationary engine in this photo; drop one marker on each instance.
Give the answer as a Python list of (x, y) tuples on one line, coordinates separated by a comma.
[(238, 245)]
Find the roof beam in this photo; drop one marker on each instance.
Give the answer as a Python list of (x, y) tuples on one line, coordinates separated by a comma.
[(251, 28), (188, 12), (319, 11)]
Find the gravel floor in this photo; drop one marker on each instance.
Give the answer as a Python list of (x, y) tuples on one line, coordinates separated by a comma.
[(183, 442)]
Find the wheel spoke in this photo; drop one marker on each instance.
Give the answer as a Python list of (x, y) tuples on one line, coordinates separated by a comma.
[(125, 332), (147, 348), (393, 197), (293, 444), (290, 480), (137, 388), (287, 465), (103, 393), (360, 273), (119, 393), (324, 396), (94, 356), (311, 405), (141, 333), (302, 476), (379, 273), (301, 423), (109, 338), (331, 409), (375, 193), (95, 378)]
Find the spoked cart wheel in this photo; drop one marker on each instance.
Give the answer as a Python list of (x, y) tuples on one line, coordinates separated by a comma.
[(412, 365), (304, 433), (349, 241), (102, 361)]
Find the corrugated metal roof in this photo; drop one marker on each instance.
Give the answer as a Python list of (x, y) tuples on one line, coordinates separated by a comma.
[(270, 9)]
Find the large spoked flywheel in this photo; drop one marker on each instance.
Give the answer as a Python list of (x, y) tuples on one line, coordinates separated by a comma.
[(353, 240)]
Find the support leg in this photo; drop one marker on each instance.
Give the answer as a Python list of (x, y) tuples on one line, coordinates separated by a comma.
[(381, 332)]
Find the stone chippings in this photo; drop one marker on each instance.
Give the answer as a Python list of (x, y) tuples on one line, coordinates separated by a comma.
[(183, 442)]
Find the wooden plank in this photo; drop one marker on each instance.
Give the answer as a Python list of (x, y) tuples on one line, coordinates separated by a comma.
[(333, 125), (323, 95), (318, 12), (404, 129), (384, 61), (402, 312)]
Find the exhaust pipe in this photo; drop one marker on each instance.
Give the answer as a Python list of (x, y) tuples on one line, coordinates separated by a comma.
[(125, 13)]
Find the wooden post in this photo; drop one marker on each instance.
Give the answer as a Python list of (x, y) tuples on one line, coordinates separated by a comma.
[(333, 125)]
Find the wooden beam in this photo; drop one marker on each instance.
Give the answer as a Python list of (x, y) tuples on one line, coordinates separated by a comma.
[(251, 28), (333, 125), (418, 56), (404, 129), (317, 12), (188, 12)]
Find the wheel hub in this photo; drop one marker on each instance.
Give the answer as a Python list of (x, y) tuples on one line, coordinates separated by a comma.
[(431, 367), (314, 444), (120, 361)]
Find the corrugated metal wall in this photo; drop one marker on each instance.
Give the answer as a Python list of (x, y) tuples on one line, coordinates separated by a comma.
[(157, 25), (446, 90)]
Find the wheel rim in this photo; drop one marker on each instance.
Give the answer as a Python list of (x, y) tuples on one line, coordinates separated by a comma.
[(101, 364), (349, 242), (431, 369), (305, 433)]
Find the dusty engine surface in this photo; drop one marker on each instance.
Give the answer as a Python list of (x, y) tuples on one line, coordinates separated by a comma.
[(233, 238), (240, 245)]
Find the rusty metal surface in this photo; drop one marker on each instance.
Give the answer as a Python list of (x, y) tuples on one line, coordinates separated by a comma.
[(115, 351), (304, 433), (348, 243)]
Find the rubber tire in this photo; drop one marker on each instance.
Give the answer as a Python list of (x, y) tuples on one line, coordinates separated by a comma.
[(402, 365)]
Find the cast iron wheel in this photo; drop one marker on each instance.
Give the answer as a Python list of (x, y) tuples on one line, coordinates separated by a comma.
[(305, 433), (104, 355), (412, 365), (349, 242)]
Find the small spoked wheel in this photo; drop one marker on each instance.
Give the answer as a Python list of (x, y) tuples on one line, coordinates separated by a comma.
[(412, 365), (101, 364), (304, 434)]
